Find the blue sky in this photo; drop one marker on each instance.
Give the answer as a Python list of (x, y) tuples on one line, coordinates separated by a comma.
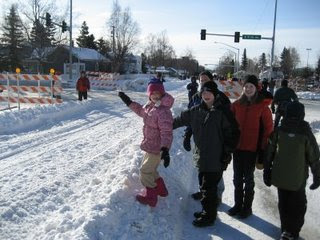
[(298, 24)]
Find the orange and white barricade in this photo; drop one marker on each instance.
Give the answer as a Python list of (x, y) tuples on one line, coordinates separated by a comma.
[(103, 80), (33, 93), (232, 89)]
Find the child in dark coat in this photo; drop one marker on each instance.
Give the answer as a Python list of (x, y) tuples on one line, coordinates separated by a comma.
[(291, 150), (214, 137)]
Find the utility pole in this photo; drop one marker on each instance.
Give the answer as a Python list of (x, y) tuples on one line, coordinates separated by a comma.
[(113, 47), (308, 49), (70, 46), (273, 39)]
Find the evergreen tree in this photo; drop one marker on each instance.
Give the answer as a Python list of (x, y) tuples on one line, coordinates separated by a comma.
[(39, 36), (286, 64), (103, 46), (262, 62), (244, 61), (85, 40), (13, 38)]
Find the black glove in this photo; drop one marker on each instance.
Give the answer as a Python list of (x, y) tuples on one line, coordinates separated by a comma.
[(125, 98), (315, 184), (260, 160), (165, 156), (226, 159), (187, 139), (267, 177), (187, 143)]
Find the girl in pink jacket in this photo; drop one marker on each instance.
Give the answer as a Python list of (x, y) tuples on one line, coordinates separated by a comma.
[(157, 139)]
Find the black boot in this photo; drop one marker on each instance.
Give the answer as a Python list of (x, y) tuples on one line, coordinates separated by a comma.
[(196, 195), (247, 205), (198, 214), (238, 198), (204, 221)]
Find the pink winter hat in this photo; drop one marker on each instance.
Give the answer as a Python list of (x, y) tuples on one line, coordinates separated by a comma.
[(152, 87)]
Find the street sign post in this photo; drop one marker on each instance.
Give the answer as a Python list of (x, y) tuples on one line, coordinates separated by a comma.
[(251, 36)]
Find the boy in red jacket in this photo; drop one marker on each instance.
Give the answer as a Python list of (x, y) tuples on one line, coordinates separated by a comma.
[(83, 86)]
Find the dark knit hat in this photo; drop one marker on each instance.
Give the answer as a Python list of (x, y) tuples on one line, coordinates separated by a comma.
[(155, 85), (295, 110), (210, 86), (251, 79), (284, 83), (207, 73)]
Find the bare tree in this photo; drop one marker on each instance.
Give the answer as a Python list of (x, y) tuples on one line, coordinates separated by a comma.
[(32, 10), (158, 50), (125, 34), (295, 57)]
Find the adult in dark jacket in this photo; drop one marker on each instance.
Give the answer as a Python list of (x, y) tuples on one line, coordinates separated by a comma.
[(221, 102), (83, 86), (282, 96), (255, 120), (213, 136), (268, 97), (292, 149), (192, 87)]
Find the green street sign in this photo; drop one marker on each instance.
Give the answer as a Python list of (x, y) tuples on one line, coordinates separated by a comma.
[(251, 36)]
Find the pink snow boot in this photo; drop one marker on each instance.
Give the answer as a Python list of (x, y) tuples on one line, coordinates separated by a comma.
[(150, 198), (161, 188)]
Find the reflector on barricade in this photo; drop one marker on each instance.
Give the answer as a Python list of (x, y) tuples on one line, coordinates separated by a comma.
[(231, 89)]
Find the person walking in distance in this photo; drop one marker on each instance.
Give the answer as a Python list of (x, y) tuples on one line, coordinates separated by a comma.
[(192, 87), (281, 98), (83, 86)]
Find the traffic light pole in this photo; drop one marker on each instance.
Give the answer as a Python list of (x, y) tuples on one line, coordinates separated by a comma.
[(273, 39), (70, 44)]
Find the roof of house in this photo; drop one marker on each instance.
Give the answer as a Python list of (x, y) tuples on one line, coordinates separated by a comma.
[(85, 54)]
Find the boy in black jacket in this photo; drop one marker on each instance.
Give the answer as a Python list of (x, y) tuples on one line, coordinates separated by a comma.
[(214, 137), (291, 150)]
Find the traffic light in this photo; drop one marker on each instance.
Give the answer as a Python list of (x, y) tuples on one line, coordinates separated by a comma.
[(48, 19), (203, 34), (64, 26), (236, 36)]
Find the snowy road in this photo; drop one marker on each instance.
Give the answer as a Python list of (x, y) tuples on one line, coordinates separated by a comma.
[(71, 172)]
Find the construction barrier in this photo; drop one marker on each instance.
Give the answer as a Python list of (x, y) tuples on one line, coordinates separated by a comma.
[(11, 90), (232, 89), (103, 80)]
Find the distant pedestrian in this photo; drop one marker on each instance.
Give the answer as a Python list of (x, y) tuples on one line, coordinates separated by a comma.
[(264, 91), (192, 87), (281, 98), (83, 86), (272, 85), (157, 139), (291, 150)]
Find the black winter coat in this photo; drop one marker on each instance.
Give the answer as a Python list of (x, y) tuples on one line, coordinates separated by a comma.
[(213, 135)]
